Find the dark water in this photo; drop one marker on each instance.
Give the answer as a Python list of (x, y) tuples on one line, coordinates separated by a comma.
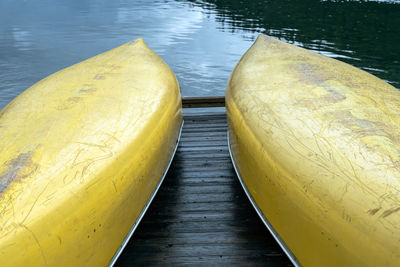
[(200, 40)]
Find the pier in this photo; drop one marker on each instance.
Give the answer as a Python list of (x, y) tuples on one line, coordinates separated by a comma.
[(201, 215)]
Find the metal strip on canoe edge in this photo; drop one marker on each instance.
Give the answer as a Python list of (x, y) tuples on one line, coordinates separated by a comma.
[(276, 236), (142, 213)]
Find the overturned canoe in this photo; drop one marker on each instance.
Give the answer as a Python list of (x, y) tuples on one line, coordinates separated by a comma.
[(82, 153), (316, 143)]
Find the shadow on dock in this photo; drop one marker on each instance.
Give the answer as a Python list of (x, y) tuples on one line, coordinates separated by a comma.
[(201, 215)]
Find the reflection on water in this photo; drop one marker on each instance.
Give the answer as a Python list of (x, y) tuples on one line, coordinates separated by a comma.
[(365, 34), (200, 40)]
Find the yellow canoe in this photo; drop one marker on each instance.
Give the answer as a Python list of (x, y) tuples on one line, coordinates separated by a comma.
[(316, 143), (82, 153)]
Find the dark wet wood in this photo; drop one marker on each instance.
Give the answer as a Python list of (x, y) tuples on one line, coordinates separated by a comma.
[(201, 215), (203, 102)]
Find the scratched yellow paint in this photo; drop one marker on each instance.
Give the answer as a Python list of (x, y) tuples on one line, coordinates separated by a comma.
[(80, 153), (317, 144)]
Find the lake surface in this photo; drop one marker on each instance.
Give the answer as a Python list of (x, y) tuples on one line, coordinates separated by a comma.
[(200, 40)]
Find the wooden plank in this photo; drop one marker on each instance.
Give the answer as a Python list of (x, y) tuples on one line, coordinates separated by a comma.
[(201, 120), (207, 126), (200, 168), (221, 163), (209, 117), (221, 260), (202, 154), (206, 143), (205, 129), (202, 134), (200, 149), (205, 249), (203, 181), (196, 174), (201, 102), (202, 162), (187, 138), (205, 207), (201, 238), (200, 189), (201, 216), (217, 261)]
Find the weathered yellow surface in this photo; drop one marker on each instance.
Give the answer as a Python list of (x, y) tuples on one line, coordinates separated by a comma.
[(80, 153), (317, 144)]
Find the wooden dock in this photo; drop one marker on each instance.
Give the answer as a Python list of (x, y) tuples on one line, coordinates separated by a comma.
[(201, 215)]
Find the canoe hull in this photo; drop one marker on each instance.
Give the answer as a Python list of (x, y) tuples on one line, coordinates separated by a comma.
[(315, 142), (81, 153)]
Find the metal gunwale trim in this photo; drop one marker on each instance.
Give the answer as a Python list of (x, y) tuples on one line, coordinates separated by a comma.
[(269, 226), (142, 213)]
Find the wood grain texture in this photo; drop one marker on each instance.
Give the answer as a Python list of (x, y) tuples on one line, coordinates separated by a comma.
[(208, 101), (201, 215)]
